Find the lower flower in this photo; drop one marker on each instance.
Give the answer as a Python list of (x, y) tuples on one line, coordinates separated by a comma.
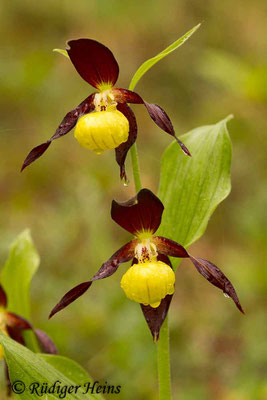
[(102, 130), (148, 283), (150, 280)]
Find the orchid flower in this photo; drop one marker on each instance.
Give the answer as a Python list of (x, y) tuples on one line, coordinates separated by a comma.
[(103, 120), (150, 280)]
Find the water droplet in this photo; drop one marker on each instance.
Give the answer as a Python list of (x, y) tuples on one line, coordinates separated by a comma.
[(125, 182), (226, 295)]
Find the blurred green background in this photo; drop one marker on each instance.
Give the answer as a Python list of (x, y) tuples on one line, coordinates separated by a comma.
[(64, 198)]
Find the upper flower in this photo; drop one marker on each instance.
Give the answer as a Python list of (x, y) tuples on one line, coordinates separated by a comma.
[(103, 120), (150, 280)]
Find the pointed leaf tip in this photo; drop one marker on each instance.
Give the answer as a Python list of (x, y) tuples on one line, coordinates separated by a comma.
[(152, 61), (187, 211), (61, 51)]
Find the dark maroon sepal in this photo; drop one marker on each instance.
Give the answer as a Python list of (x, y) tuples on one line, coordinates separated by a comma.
[(124, 254), (141, 213), (122, 150), (46, 343), (93, 61), (68, 122), (216, 277), (70, 297), (15, 321), (3, 297), (156, 316), (170, 248)]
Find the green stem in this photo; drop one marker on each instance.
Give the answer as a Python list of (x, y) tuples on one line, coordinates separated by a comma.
[(163, 347), (164, 371), (136, 169)]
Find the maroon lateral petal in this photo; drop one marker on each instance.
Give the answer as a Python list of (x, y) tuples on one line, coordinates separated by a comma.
[(122, 150), (3, 297), (156, 112), (68, 122), (15, 321), (216, 277), (124, 254), (170, 248), (70, 297), (46, 343), (127, 96), (156, 316), (160, 117), (141, 213), (107, 269), (35, 153), (93, 61)]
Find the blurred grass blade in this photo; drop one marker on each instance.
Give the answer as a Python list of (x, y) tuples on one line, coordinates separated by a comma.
[(152, 61), (61, 51), (28, 367), (191, 188), (16, 276)]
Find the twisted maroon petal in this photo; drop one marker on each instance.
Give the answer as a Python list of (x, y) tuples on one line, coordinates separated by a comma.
[(94, 62), (169, 248), (66, 125), (141, 213), (216, 277), (127, 96), (124, 254), (156, 316), (156, 112), (107, 269), (70, 297), (46, 343), (122, 150), (161, 118), (3, 297)]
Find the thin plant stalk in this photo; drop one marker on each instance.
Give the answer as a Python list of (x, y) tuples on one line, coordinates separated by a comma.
[(163, 346), (136, 168)]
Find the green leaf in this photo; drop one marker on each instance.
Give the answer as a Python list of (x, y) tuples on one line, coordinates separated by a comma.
[(29, 367), (152, 61), (16, 277), (63, 52), (17, 274), (67, 367), (192, 187)]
